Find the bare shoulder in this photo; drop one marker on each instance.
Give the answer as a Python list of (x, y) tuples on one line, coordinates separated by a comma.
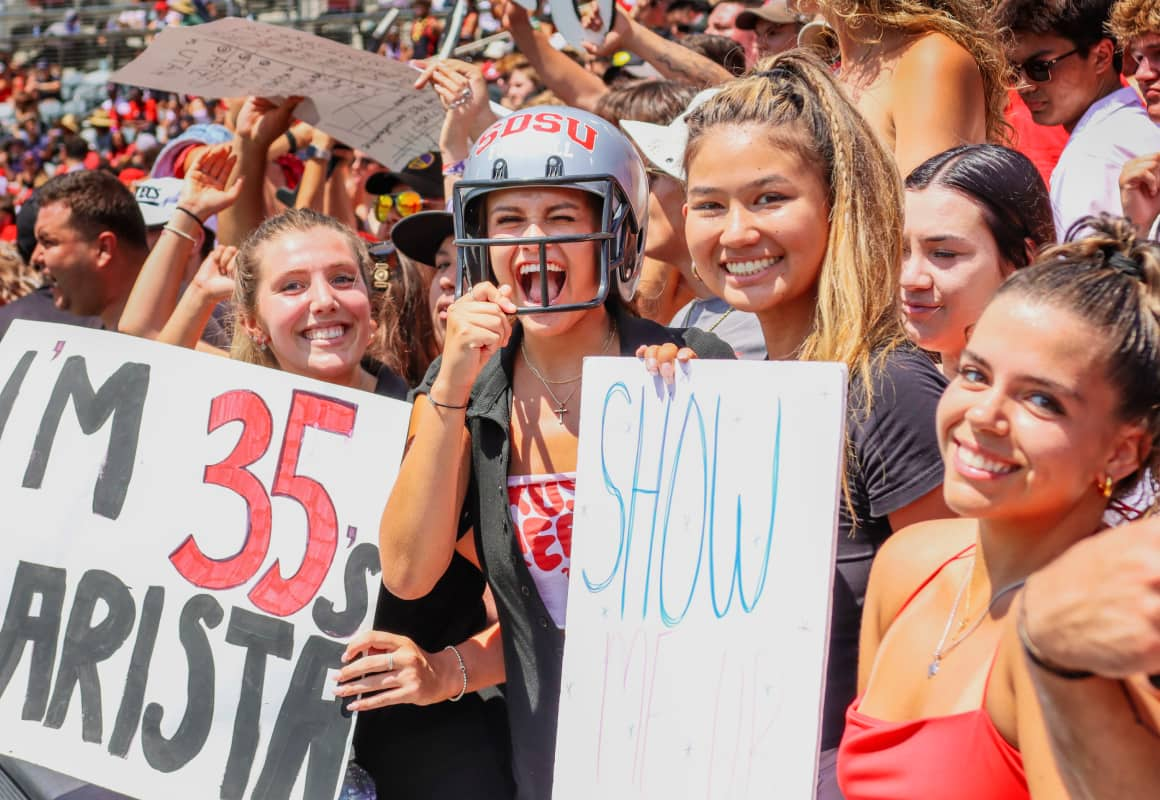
[(912, 554), (935, 54)]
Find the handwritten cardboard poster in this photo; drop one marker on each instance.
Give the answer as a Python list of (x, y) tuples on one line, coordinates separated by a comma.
[(189, 541), (702, 564), (359, 98)]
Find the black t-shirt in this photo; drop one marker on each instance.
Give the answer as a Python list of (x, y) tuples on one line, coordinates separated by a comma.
[(893, 460), (447, 749), (38, 307)]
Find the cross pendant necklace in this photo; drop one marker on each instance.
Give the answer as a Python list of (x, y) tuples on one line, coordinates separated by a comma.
[(562, 405)]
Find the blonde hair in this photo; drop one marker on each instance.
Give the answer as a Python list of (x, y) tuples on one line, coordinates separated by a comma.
[(795, 96), (1132, 19), (16, 278), (968, 23), (246, 273)]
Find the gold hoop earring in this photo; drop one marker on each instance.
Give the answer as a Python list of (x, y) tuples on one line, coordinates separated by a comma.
[(1105, 488), (696, 274)]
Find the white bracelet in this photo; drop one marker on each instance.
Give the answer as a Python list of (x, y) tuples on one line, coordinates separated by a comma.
[(182, 234), (462, 670)]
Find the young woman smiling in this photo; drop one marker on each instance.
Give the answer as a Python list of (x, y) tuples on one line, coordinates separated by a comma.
[(1036, 440), (794, 213), (974, 215), (550, 217)]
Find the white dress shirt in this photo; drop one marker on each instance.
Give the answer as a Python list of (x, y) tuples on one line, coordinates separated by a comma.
[(1086, 180)]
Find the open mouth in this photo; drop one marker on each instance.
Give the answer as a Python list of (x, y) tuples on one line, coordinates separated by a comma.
[(325, 334), (532, 288)]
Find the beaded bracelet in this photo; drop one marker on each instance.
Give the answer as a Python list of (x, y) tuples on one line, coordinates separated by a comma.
[(456, 168), (1035, 655), (462, 670)]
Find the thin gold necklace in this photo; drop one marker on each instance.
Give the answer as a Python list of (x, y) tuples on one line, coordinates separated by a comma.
[(941, 652), (562, 405)]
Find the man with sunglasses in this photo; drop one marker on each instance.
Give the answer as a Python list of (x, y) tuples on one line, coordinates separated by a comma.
[(401, 193), (1068, 72)]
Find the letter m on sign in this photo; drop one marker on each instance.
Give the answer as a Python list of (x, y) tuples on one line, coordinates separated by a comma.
[(121, 397)]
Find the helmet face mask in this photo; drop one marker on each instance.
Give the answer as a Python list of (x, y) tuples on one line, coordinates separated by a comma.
[(550, 148)]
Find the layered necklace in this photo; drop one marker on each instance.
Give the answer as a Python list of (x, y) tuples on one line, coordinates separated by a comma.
[(942, 649), (561, 407)]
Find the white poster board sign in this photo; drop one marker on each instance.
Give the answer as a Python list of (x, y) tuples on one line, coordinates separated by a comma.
[(702, 564), (189, 541), (359, 98)]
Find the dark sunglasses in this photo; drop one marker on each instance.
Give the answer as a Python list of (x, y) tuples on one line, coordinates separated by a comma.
[(1039, 70), (406, 203)]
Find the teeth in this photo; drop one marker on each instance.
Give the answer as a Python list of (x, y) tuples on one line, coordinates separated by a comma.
[(529, 268), (978, 461), (333, 332), (750, 267)]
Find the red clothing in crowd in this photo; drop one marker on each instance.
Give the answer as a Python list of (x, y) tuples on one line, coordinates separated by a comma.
[(924, 758), (1040, 143)]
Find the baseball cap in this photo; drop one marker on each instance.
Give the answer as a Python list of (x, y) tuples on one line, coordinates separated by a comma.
[(424, 174), (664, 145), (779, 12), (418, 236), (157, 198)]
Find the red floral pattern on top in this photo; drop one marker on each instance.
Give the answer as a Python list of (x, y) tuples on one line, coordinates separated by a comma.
[(542, 507)]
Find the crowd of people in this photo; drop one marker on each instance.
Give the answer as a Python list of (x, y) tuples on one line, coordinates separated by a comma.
[(957, 200)]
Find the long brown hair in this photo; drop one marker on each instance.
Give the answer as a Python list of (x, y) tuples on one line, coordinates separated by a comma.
[(794, 96), (405, 338), (968, 23)]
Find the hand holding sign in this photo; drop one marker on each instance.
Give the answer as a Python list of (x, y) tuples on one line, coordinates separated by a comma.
[(586, 25)]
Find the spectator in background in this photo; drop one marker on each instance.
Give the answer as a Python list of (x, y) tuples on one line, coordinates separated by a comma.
[(74, 155), (90, 244), (398, 194), (1136, 26), (16, 279), (1069, 69), (927, 76), (8, 231), (775, 27), (425, 30), (723, 22)]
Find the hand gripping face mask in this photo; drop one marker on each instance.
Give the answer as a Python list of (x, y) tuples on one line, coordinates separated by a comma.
[(550, 146)]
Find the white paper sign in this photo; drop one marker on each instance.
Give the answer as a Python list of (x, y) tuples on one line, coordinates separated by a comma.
[(188, 543), (359, 98), (702, 564)]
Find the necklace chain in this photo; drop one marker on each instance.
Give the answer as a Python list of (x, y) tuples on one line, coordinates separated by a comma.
[(941, 651), (562, 405)]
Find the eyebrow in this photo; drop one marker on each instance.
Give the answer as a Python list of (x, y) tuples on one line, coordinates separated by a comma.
[(757, 183), (946, 237), (1057, 388)]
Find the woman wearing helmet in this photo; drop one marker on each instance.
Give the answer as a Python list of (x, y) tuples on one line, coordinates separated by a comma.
[(549, 222)]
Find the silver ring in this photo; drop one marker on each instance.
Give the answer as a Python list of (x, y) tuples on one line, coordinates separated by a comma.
[(466, 93), (391, 661)]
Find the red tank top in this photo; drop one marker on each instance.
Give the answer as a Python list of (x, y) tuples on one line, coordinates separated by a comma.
[(957, 757)]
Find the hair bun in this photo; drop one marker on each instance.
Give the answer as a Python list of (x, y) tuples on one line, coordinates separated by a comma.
[(1126, 265)]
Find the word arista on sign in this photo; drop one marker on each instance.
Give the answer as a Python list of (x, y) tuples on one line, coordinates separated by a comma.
[(190, 541)]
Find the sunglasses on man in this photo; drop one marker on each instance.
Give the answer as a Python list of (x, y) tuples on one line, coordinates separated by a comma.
[(405, 203), (1038, 69)]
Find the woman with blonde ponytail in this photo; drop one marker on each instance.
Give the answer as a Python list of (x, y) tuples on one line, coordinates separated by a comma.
[(794, 213), (1038, 440), (928, 76)]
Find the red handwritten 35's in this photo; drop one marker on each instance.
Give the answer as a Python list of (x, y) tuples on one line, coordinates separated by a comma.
[(273, 593)]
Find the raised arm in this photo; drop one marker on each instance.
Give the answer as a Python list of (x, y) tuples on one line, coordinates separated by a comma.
[(260, 123), (462, 90), (566, 79), (420, 523), (213, 283), (672, 59), (156, 289)]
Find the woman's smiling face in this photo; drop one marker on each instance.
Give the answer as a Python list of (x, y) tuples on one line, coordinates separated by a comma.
[(757, 218), (312, 305)]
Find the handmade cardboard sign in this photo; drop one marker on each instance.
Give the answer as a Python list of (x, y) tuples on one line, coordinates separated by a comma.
[(359, 98), (702, 563), (189, 541)]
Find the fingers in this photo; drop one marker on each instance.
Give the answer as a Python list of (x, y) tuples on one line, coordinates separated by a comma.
[(488, 292), (661, 360)]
